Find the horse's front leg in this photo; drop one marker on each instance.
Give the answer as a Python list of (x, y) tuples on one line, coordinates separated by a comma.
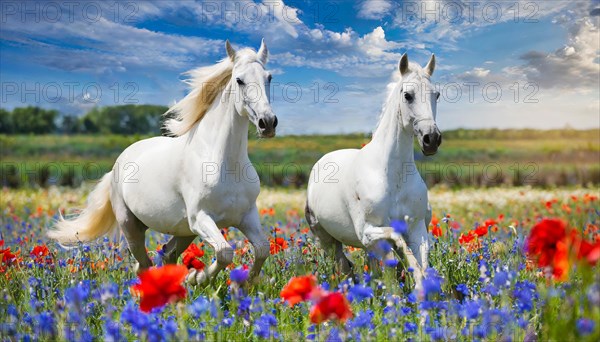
[(253, 230), (205, 227), (418, 242), (372, 234)]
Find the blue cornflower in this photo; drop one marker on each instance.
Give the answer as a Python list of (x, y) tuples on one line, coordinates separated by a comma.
[(585, 326), (391, 262), (363, 319), (334, 335), (436, 333), (462, 288), (480, 331), (112, 330), (524, 294), (137, 319), (412, 298), (244, 305), (170, 326), (433, 283), (238, 275), (400, 227), (47, 323), (198, 307), (12, 310), (360, 292), (264, 324), (410, 327), (501, 279), (470, 309), (384, 246)]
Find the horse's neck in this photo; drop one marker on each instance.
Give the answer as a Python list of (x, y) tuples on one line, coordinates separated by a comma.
[(393, 141), (222, 132)]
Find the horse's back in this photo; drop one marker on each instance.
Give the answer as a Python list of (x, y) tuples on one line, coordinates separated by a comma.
[(327, 194), (147, 176)]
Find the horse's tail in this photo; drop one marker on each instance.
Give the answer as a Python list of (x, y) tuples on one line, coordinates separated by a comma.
[(96, 220)]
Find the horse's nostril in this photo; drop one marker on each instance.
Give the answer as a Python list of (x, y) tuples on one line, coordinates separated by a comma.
[(262, 124), (440, 140), (426, 139), (275, 122)]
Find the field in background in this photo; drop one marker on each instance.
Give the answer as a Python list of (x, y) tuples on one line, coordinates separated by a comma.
[(466, 158)]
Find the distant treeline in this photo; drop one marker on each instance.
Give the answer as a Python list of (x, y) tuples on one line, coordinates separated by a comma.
[(148, 120), (125, 119)]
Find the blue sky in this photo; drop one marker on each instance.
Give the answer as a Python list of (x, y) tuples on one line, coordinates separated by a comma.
[(73, 56)]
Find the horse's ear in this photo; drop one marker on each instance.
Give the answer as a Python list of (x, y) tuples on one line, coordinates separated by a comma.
[(263, 52), (230, 50), (403, 64), (430, 65)]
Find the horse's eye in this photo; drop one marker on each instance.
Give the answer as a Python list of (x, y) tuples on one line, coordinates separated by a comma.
[(240, 82), (408, 97)]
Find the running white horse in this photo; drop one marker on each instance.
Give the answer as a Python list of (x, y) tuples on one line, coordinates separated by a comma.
[(194, 183), (354, 195)]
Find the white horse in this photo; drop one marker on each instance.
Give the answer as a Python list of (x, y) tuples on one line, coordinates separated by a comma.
[(194, 183), (353, 195)]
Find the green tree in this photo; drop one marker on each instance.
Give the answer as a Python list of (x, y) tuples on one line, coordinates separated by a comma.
[(34, 120), (6, 125), (126, 119)]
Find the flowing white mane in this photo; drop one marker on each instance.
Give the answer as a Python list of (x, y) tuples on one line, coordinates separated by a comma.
[(206, 84)]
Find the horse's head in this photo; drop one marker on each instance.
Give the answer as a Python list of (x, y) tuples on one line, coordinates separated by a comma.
[(418, 103), (251, 81)]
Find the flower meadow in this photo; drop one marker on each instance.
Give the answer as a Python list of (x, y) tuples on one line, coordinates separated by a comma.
[(506, 264)]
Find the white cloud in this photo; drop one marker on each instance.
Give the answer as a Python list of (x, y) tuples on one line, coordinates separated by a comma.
[(444, 22), (75, 43), (374, 9)]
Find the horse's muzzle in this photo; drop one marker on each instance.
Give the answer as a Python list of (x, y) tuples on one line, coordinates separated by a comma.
[(266, 127), (431, 142)]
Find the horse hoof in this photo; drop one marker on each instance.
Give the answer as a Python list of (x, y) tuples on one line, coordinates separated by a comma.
[(201, 278), (191, 277), (196, 277), (137, 269)]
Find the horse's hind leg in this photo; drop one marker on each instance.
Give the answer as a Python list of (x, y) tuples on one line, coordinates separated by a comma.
[(252, 228), (329, 243), (134, 231), (176, 246)]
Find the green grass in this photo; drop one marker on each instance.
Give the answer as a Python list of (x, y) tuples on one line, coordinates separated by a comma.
[(549, 158)]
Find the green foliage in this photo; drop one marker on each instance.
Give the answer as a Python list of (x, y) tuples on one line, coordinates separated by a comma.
[(287, 160), (126, 119), (28, 120)]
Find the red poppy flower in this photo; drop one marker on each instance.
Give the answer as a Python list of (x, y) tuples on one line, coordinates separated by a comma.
[(160, 285), (543, 238), (191, 257), (560, 261), (7, 257), (590, 252), (331, 306), (39, 253), (434, 221), (465, 239), (481, 231), (277, 245), (299, 289), (437, 231), (490, 223)]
